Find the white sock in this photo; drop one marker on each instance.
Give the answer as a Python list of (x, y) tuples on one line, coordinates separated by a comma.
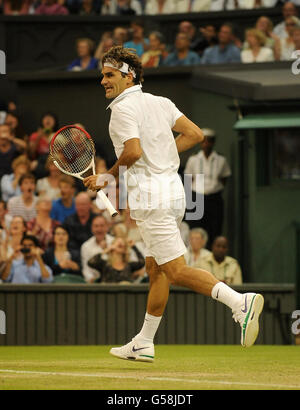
[(149, 328), (225, 294)]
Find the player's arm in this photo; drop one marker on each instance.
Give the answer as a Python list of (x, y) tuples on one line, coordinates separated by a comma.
[(132, 152), (189, 134)]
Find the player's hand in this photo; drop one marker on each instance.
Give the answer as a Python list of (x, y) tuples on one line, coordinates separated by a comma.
[(96, 182)]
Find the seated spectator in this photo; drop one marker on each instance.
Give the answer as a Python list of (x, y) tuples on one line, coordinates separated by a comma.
[(192, 6), (85, 61), (129, 7), (25, 204), (61, 257), (138, 42), (296, 40), (257, 52), (287, 45), (42, 226), (12, 240), (3, 217), (39, 140), (95, 245), (79, 224), (223, 267), (49, 185), (16, 128), (105, 44), (64, 206), (87, 8), (156, 53), (16, 7), (265, 25), (182, 56), (207, 38), (10, 183), (225, 51), (8, 150), (30, 268), (51, 7), (117, 268), (196, 37), (196, 250), (288, 10), (157, 7), (109, 7), (120, 36)]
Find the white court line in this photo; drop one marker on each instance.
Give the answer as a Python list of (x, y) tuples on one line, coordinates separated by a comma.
[(145, 378)]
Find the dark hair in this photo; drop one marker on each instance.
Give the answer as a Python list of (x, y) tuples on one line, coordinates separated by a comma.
[(4, 203), (138, 22), (61, 227), (54, 116), (28, 175), (31, 238), (158, 35), (118, 55)]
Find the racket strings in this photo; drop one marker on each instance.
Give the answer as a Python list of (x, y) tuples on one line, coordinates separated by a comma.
[(72, 150)]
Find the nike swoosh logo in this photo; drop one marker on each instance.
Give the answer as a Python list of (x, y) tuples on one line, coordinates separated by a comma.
[(141, 348), (245, 307)]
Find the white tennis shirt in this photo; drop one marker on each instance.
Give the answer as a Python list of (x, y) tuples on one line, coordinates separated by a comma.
[(153, 180)]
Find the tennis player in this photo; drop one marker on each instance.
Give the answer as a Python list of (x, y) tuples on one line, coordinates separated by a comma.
[(141, 127)]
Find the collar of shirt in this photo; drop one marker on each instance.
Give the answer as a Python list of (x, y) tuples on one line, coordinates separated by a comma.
[(211, 258), (129, 90), (212, 155)]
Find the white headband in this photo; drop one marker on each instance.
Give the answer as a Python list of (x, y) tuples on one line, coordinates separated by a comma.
[(124, 69)]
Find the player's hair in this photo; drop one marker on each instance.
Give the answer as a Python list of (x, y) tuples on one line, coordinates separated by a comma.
[(118, 55)]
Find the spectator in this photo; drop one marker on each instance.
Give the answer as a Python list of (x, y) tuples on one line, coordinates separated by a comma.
[(79, 224), (156, 53), (288, 10), (223, 267), (119, 36), (8, 150), (3, 217), (10, 183), (30, 268), (216, 171), (182, 56), (117, 268), (87, 8), (192, 6), (195, 36), (61, 257), (104, 45), (16, 7), (85, 61), (257, 52), (287, 45), (39, 140), (109, 7), (42, 226), (225, 51), (196, 250), (51, 7), (217, 5), (296, 39), (93, 246), (49, 185), (13, 121), (138, 42), (12, 240), (265, 25), (25, 204), (207, 38), (129, 7), (64, 206), (156, 7)]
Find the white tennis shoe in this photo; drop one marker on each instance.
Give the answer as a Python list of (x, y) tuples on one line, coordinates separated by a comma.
[(247, 314), (135, 350)]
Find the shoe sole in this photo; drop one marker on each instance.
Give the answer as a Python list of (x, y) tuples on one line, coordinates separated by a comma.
[(250, 327), (140, 358)]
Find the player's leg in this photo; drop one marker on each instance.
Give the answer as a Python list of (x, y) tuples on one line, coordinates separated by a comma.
[(246, 308)]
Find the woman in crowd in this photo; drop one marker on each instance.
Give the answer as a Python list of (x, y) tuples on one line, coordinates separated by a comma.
[(49, 185), (265, 25), (17, 130), (257, 52), (287, 45), (104, 45), (16, 7), (196, 250), (10, 183), (156, 53), (12, 240), (59, 257), (85, 61), (39, 140), (42, 226), (117, 268)]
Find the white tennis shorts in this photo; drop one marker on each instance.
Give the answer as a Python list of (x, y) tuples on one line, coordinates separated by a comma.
[(159, 229)]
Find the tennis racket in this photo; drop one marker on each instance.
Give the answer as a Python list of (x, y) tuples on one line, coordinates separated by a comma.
[(73, 153)]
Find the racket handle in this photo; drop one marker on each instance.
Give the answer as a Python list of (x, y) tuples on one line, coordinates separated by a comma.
[(109, 206)]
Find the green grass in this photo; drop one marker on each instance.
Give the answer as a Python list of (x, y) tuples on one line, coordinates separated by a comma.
[(175, 368)]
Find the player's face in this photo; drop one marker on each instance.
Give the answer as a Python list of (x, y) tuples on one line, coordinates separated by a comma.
[(113, 82)]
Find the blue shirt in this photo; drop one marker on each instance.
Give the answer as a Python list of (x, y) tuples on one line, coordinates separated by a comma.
[(218, 55), (21, 273), (93, 64), (59, 212), (172, 60), (139, 48)]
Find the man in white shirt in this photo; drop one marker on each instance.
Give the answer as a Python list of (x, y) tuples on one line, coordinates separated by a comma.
[(141, 131), (216, 171)]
